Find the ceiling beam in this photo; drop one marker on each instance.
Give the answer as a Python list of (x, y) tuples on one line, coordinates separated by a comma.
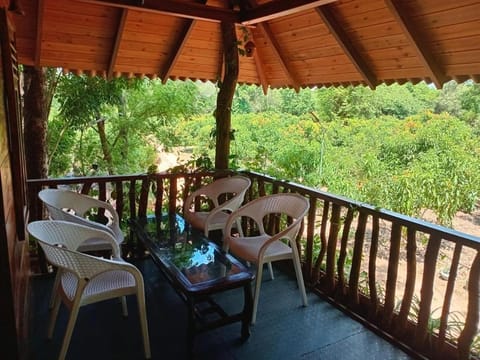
[(199, 11), (260, 72), (272, 42), (403, 19), (38, 40), (327, 15), (195, 11), (176, 49), (275, 9), (118, 41)]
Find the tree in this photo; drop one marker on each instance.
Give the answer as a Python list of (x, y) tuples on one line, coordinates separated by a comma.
[(39, 85), (82, 100)]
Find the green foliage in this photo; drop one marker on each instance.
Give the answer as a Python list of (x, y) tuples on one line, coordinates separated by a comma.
[(395, 100), (402, 147)]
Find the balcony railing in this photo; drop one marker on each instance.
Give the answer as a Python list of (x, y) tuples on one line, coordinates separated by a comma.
[(412, 281)]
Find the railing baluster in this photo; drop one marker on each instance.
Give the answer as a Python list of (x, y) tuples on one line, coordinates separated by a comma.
[(392, 273), (426, 293), (332, 247), (452, 275), (312, 212), (410, 282), (343, 252), (357, 258), (143, 200), (172, 201), (372, 267), (159, 197), (119, 199), (132, 199), (323, 241), (471, 322)]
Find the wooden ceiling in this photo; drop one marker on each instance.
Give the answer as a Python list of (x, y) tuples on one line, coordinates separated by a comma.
[(298, 43)]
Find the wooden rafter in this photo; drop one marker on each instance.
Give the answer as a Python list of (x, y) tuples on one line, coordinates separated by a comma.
[(272, 42), (260, 72), (411, 33), (193, 11), (199, 11), (38, 40), (176, 49), (118, 41), (258, 65), (280, 8), (347, 46)]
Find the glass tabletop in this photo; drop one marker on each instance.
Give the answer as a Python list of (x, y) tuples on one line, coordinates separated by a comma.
[(187, 255)]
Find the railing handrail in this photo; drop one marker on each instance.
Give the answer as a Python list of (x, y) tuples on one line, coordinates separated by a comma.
[(422, 225)]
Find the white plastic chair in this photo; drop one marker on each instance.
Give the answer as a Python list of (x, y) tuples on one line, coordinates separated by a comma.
[(71, 206), (86, 279), (266, 248), (215, 218)]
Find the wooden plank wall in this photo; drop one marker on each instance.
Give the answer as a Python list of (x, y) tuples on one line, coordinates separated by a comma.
[(14, 260)]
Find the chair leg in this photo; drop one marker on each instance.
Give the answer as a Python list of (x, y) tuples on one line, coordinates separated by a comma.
[(143, 323), (54, 289), (239, 227), (258, 282), (270, 270), (70, 325), (298, 273), (53, 314), (124, 306)]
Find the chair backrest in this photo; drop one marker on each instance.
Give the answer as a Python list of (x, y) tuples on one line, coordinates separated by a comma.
[(60, 239), (291, 205), (71, 206), (67, 234), (237, 185)]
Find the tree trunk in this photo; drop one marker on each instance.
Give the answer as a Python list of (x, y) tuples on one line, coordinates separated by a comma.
[(35, 121), (107, 156), (225, 96)]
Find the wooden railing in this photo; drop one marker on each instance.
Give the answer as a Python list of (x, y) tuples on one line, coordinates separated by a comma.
[(414, 282)]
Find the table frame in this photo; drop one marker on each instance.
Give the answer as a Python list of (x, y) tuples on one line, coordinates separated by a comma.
[(200, 293)]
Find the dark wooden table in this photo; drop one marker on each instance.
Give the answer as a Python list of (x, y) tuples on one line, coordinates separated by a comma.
[(197, 269)]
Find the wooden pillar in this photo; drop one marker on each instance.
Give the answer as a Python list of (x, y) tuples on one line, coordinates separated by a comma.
[(225, 96)]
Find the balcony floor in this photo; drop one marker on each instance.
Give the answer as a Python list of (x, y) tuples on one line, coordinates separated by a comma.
[(284, 329)]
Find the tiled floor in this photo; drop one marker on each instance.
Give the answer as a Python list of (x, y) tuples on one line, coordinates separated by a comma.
[(284, 329)]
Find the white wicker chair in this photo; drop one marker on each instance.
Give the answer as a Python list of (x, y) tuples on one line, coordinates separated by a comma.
[(266, 248), (86, 279), (71, 206), (215, 219)]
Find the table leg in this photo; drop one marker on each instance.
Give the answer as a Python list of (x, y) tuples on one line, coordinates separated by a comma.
[(247, 310), (190, 327)]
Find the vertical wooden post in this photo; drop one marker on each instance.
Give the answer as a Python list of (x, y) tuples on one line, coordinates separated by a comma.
[(225, 96)]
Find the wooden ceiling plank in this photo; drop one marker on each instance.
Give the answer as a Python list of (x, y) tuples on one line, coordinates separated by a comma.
[(275, 47), (118, 41), (408, 27), (195, 11), (38, 40), (280, 8), (349, 49)]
